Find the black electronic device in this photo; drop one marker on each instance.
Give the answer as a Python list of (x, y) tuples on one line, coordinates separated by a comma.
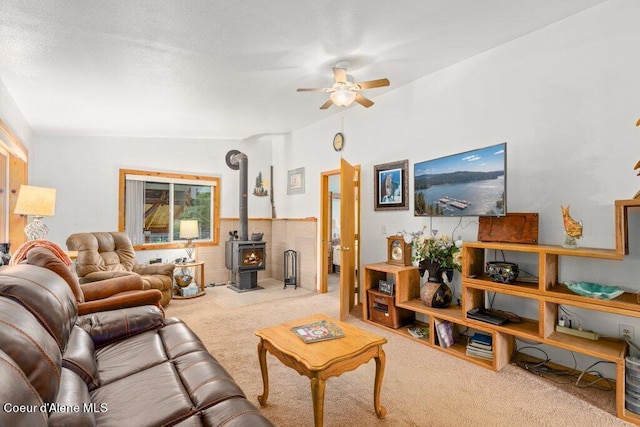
[(483, 316), (386, 287)]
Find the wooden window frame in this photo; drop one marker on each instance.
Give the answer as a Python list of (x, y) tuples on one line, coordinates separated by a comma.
[(215, 226)]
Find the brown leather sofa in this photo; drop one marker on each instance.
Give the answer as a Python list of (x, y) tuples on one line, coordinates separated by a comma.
[(129, 366), (104, 255)]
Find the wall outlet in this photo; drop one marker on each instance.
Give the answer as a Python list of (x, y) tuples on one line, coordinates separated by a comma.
[(626, 331), (383, 228)]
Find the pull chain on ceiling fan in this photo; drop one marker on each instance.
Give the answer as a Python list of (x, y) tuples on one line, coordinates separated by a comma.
[(345, 90)]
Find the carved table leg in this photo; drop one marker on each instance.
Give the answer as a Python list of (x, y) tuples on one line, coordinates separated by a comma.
[(381, 411), (317, 396), (262, 357)]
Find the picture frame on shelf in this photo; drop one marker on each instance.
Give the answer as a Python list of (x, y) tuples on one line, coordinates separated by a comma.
[(391, 186), (295, 181)]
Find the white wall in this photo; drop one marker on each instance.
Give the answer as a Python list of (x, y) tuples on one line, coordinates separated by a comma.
[(84, 170), (565, 99)]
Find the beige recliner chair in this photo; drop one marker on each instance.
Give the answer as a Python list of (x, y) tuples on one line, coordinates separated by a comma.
[(104, 255)]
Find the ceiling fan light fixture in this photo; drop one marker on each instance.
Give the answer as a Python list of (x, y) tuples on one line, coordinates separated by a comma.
[(343, 97)]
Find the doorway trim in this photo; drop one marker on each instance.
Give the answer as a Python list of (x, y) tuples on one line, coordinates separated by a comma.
[(325, 228)]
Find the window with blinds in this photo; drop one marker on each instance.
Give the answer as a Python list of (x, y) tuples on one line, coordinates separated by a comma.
[(153, 204)]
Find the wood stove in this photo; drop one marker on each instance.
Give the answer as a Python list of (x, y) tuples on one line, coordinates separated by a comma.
[(245, 258)]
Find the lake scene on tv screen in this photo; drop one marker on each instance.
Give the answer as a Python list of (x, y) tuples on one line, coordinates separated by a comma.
[(472, 183)]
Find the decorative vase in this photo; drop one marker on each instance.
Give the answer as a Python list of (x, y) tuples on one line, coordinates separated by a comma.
[(434, 292), (434, 271), (5, 256)]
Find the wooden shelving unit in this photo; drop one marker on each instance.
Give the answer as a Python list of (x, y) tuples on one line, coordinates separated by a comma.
[(407, 281), (547, 293)]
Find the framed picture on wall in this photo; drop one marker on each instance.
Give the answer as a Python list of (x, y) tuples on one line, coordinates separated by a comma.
[(391, 186), (295, 181)]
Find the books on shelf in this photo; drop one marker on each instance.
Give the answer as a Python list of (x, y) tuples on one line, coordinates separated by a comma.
[(482, 340), (418, 331), (485, 354), (318, 331), (444, 331), (480, 345)]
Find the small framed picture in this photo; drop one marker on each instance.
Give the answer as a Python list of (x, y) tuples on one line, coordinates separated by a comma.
[(386, 287), (295, 181), (391, 186)]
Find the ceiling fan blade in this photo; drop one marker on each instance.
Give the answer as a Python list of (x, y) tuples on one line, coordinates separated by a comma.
[(365, 102), (340, 74), (372, 83), (327, 104), (318, 89)]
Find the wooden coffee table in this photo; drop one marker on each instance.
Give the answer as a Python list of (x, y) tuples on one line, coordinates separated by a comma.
[(322, 360)]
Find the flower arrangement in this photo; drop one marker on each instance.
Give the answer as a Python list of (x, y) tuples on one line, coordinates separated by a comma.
[(439, 250)]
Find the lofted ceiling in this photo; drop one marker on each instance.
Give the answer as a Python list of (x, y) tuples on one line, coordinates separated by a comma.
[(230, 69)]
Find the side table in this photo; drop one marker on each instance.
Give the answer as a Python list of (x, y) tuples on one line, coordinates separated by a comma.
[(321, 360), (200, 282)]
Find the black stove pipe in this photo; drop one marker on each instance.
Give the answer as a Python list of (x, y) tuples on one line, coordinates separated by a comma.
[(237, 160)]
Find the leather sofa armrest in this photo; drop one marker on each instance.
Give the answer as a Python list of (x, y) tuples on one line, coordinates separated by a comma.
[(105, 288), (164, 269), (125, 300), (104, 275), (105, 327)]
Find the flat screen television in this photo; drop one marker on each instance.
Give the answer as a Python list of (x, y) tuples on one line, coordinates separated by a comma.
[(473, 183)]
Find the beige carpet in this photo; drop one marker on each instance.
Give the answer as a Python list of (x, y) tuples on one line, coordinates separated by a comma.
[(271, 290), (422, 386)]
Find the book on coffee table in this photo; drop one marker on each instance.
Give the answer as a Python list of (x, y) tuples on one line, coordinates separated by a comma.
[(318, 331)]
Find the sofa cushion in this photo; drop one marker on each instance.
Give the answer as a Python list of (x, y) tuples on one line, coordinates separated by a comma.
[(97, 276), (17, 391), (162, 283), (205, 380), (25, 340), (234, 412), (178, 339), (43, 257), (126, 357), (73, 394), (159, 398), (105, 327), (45, 294), (80, 357)]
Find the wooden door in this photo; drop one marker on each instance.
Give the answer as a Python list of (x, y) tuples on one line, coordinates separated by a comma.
[(349, 185)]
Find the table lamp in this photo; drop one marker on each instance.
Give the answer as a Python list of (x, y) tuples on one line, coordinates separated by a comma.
[(189, 231), (37, 202)]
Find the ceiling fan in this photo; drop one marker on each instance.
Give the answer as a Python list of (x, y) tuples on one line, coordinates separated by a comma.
[(345, 90)]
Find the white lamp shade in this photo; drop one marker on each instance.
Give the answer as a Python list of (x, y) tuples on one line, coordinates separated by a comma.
[(37, 201), (342, 97), (189, 229)]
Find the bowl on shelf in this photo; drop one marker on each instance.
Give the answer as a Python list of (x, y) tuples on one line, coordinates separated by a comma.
[(502, 271), (594, 290), (183, 280)]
